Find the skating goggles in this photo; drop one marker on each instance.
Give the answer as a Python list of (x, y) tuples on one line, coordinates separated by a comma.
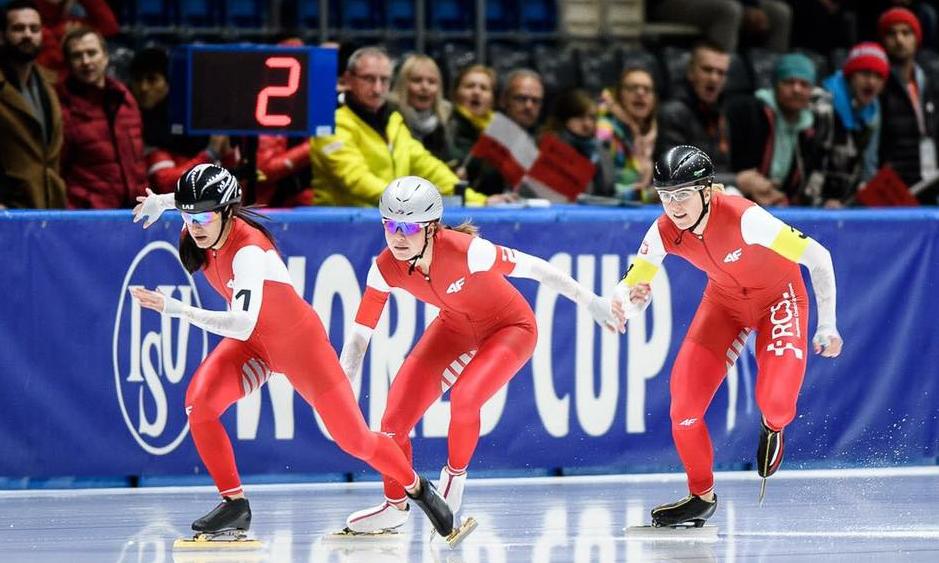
[(406, 228), (198, 218), (679, 196)]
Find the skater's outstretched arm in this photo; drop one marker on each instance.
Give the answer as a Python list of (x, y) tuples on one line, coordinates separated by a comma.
[(484, 255), (366, 318), (758, 226), (238, 322), (152, 206), (632, 294)]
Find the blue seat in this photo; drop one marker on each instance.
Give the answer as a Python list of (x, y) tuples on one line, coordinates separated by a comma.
[(400, 14), (361, 14), (245, 13), (539, 15), (156, 13), (199, 13), (308, 14), (501, 15), (450, 15)]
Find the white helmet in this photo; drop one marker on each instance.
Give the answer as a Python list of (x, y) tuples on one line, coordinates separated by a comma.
[(412, 199)]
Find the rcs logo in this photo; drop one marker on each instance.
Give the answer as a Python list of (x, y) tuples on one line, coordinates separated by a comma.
[(152, 352)]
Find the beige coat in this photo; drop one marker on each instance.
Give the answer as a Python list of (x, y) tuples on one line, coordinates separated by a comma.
[(29, 168)]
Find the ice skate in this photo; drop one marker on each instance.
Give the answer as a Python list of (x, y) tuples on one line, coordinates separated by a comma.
[(451, 487), (682, 520), (440, 515), (375, 522), (769, 454), (226, 526)]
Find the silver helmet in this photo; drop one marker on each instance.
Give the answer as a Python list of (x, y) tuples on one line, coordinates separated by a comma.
[(412, 199)]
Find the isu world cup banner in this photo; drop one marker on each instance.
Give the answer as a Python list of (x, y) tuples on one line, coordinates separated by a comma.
[(94, 385)]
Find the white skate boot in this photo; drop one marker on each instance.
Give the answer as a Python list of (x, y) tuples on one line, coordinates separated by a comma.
[(383, 519), (451, 486)]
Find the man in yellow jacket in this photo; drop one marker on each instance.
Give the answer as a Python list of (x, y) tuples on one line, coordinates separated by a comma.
[(372, 144)]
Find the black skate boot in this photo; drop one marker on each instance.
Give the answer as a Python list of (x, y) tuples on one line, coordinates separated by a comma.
[(769, 454), (430, 501), (689, 511), (230, 515)]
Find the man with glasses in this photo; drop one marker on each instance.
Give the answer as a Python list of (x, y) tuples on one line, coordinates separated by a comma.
[(695, 114), (372, 144), (754, 283)]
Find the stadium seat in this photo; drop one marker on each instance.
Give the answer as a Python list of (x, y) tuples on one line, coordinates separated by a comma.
[(558, 68), (502, 15), (676, 67), (739, 82), (539, 16), (156, 13), (400, 14), (450, 15), (504, 58), (599, 68), (761, 64), (199, 13), (245, 13), (361, 14)]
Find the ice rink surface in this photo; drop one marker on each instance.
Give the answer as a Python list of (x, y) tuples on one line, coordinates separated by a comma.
[(834, 515)]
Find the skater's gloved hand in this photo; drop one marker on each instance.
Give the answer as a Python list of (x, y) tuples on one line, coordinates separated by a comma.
[(152, 206), (601, 308), (158, 302), (827, 341)]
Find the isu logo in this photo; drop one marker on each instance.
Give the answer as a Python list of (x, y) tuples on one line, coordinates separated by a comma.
[(152, 352)]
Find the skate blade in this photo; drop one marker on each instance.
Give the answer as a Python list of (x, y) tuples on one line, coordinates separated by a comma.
[(672, 533), (762, 490), (459, 534), (224, 541), (381, 535)]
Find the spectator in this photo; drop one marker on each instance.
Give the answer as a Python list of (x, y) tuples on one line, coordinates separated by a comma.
[(418, 95), (283, 163), (30, 116), (102, 153), (771, 134), (847, 126), (521, 101), (723, 21), (695, 114), (574, 120), (628, 131), (58, 19), (473, 98), (908, 104), (372, 145), (168, 154), (823, 25)]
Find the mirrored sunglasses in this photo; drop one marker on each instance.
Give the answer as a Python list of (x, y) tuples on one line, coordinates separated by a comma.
[(406, 228), (679, 196), (198, 218)]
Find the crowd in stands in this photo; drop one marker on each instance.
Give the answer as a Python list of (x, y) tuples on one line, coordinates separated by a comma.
[(837, 109)]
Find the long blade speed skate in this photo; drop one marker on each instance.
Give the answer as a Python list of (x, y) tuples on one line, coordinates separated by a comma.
[(225, 527), (230, 539), (682, 520)]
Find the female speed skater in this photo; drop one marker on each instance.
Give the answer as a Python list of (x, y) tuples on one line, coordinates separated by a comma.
[(484, 334), (268, 328), (754, 283)]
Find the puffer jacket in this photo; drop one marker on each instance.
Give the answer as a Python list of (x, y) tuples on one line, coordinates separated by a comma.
[(102, 154)]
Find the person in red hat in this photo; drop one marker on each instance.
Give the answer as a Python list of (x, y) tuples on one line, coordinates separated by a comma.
[(908, 141), (847, 126)]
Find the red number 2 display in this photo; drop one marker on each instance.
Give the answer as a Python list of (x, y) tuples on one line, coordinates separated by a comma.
[(293, 82)]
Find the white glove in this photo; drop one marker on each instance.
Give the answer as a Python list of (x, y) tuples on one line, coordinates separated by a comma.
[(152, 206), (825, 337), (172, 307), (601, 310)]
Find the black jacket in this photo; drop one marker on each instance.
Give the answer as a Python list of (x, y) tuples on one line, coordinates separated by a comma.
[(686, 120)]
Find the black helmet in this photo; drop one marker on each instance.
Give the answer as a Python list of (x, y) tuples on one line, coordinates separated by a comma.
[(206, 187), (682, 166)]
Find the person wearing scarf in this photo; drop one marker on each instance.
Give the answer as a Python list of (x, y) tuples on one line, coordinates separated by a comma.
[(473, 98), (417, 94), (848, 122)]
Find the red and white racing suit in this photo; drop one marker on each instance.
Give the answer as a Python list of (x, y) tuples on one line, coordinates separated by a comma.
[(754, 283), (269, 328)]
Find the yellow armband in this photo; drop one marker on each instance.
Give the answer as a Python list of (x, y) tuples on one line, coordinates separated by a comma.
[(790, 243), (640, 271)]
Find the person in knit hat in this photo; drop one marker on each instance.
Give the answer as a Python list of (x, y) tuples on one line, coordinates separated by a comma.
[(908, 141), (847, 126), (771, 135)]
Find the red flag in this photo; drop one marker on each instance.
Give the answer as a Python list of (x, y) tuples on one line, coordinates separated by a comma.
[(560, 172), (886, 189), (507, 147)]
